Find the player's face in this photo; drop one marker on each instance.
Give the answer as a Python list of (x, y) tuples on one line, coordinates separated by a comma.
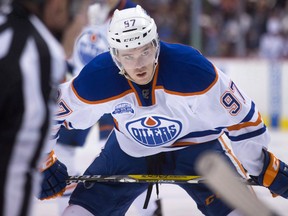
[(138, 63)]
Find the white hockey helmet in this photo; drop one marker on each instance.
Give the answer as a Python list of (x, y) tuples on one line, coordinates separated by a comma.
[(131, 28)]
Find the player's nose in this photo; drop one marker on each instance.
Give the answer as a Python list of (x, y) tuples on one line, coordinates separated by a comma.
[(139, 63)]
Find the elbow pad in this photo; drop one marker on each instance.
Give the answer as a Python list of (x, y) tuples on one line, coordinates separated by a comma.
[(274, 175)]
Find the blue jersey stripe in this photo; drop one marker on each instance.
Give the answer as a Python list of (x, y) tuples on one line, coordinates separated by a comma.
[(202, 133), (247, 135), (249, 116), (59, 122)]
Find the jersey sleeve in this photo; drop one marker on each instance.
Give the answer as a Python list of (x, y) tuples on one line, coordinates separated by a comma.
[(228, 108), (74, 113)]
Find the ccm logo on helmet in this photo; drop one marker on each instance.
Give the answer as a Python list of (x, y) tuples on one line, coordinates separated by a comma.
[(131, 39), (154, 130)]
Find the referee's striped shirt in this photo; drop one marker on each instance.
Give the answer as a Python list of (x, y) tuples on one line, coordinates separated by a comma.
[(31, 66)]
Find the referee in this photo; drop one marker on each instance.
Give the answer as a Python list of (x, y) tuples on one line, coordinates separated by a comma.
[(32, 64)]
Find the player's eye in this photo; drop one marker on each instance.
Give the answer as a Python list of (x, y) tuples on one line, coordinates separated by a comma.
[(128, 58), (145, 53)]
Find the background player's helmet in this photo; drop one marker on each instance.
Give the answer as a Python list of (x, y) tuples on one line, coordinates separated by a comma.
[(131, 28), (99, 11)]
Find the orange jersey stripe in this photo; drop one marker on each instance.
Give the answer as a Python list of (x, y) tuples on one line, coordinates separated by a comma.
[(106, 127), (116, 124), (228, 150), (232, 155), (100, 101), (271, 171), (246, 124), (194, 93), (179, 144), (154, 85), (135, 93)]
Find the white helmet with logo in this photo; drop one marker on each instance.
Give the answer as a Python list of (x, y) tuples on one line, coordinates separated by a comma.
[(131, 28)]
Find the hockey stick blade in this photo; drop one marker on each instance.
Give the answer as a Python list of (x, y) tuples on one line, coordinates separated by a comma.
[(224, 181), (177, 179)]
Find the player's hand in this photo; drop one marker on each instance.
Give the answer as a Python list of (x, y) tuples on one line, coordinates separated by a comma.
[(274, 175), (54, 175)]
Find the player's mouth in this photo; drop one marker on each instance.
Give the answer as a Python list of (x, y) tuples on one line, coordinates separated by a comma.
[(141, 75)]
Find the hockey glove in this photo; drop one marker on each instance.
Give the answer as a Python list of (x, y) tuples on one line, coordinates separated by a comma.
[(54, 175), (274, 175)]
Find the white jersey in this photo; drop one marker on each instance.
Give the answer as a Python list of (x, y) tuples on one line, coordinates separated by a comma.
[(189, 102), (90, 43)]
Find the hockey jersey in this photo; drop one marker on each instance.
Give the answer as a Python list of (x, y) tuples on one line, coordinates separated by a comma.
[(90, 43), (189, 102)]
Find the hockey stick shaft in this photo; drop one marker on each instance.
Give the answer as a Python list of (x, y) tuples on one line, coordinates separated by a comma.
[(176, 179), (222, 180)]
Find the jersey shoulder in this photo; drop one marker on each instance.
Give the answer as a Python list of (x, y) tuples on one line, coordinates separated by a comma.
[(184, 69), (100, 81)]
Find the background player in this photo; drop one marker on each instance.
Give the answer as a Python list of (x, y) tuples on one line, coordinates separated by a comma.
[(163, 107)]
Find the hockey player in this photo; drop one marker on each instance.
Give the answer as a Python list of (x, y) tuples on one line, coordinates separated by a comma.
[(170, 105), (32, 64)]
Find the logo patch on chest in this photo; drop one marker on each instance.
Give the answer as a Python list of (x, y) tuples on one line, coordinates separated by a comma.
[(123, 108), (154, 130)]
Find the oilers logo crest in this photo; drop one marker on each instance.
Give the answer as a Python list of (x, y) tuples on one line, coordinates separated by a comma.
[(91, 44), (154, 130)]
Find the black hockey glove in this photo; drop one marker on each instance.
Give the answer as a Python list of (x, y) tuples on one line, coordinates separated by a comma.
[(54, 178)]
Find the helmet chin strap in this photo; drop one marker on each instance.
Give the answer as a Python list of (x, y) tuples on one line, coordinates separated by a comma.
[(127, 76)]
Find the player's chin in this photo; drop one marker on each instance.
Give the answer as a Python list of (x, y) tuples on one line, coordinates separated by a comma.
[(142, 80)]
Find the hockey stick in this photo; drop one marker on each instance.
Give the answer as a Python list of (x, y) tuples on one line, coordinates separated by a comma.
[(177, 179), (222, 180)]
